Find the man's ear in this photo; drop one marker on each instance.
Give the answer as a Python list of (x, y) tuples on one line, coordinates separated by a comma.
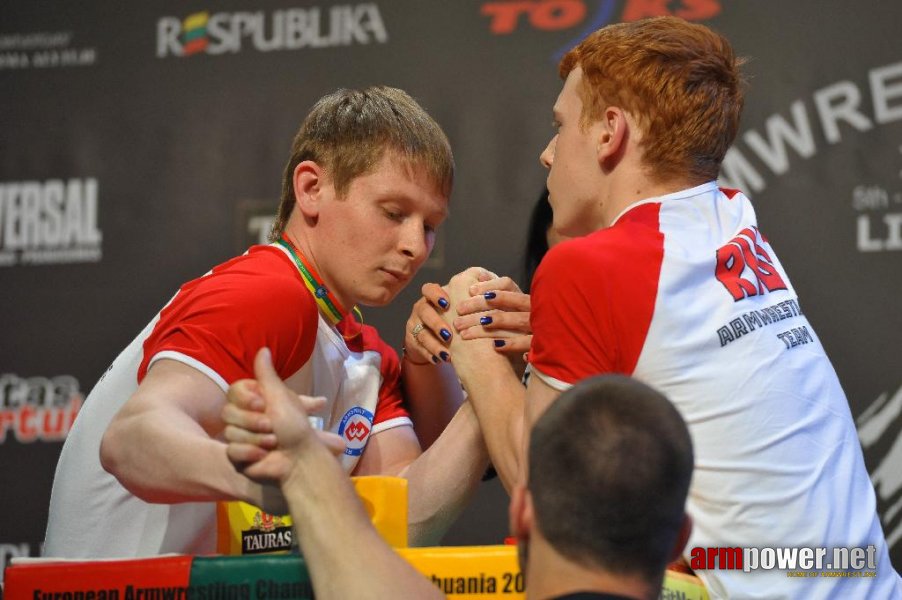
[(682, 538), (308, 180), (520, 513), (613, 132)]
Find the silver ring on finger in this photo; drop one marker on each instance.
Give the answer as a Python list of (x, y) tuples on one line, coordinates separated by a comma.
[(415, 332)]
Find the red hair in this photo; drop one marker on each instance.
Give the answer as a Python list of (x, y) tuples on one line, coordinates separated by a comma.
[(679, 80)]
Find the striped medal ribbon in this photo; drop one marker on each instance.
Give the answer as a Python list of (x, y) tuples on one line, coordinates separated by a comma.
[(327, 302)]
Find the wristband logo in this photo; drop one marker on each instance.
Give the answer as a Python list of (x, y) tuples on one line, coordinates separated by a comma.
[(286, 29), (355, 428)]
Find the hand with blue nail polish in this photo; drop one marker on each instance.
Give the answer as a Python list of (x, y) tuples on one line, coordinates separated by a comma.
[(428, 335), (490, 308), (498, 309)]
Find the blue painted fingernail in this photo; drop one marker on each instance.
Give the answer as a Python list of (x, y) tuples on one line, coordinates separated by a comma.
[(446, 335), (485, 320), (499, 343), (489, 295), (445, 356), (443, 303), (435, 359)]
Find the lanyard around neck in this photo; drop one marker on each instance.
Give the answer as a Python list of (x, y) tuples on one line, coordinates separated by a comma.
[(328, 304)]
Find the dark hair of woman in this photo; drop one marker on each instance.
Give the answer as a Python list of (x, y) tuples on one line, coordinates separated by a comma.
[(537, 239)]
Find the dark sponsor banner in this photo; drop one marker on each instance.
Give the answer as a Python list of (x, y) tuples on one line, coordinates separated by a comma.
[(140, 147), (284, 29), (44, 50)]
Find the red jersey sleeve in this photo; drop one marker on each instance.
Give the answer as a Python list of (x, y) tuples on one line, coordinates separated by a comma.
[(573, 337), (593, 300), (218, 322)]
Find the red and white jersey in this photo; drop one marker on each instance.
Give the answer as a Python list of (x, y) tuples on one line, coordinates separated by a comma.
[(684, 293), (216, 324)]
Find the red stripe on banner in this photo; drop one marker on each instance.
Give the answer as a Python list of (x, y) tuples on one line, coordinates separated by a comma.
[(195, 46), (103, 578)]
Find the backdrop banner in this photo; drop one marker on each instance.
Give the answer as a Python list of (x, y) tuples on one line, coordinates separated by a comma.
[(143, 143)]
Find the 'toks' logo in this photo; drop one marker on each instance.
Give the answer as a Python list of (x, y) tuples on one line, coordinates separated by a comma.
[(552, 15)]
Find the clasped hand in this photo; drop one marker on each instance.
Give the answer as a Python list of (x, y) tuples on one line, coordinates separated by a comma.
[(267, 428), (475, 304)]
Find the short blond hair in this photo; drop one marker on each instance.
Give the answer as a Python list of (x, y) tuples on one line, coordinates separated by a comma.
[(348, 131)]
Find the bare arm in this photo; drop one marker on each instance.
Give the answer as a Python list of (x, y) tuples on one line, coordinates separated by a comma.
[(433, 395), (163, 447), (440, 480), (497, 310), (506, 410), (444, 477), (493, 388), (344, 553), (497, 397), (507, 309), (429, 383), (539, 396), (346, 556)]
